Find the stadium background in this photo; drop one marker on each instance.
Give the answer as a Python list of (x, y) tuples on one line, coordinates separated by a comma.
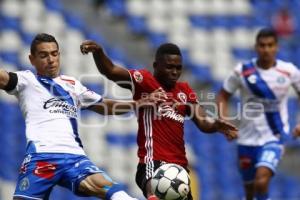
[(213, 35)]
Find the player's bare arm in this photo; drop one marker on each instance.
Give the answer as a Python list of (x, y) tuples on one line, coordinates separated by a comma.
[(296, 131), (210, 125), (105, 65), (222, 102), (119, 107), (4, 79)]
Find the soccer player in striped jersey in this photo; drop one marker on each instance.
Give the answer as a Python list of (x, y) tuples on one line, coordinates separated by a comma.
[(263, 83), (160, 128), (50, 104)]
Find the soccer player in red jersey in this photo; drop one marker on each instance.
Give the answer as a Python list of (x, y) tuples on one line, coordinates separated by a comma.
[(160, 128)]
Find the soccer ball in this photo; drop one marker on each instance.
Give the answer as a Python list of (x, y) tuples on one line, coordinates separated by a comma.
[(170, 182)]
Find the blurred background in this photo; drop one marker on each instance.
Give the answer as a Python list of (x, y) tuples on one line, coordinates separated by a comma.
[(214, 36)]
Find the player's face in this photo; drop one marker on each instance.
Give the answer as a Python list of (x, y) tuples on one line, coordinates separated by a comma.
[(46, 59), (266, 48), (168, 69)]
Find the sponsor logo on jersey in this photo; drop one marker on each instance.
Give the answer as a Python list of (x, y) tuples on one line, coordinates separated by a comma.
[(245, 162), (55, 106), (25, 162), (252, 79), (182, 96), (281, 80), (168, 112), (24, 184), (45, 170), (138, 77)]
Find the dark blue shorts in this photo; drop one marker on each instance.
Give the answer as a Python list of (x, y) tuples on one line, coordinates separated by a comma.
[(251, 157), (40, 172)]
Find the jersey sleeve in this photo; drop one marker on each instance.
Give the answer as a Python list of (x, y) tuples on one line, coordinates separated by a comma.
[(192, 96), (87, 97), (143, 82), (233, 81), (295, 78), (23, 81)]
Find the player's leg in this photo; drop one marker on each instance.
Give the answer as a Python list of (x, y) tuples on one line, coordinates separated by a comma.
[(100, 185), (38, 174), (266, 167), (247, 160), (143, 178), (86, 179), (249, 190), (262, 180)]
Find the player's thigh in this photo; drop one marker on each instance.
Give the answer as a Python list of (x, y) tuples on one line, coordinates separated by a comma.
[(268, 159), (38, 174), (144, 173), (247, 157), (85, 178), (95, 184)]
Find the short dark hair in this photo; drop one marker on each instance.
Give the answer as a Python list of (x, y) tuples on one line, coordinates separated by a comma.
[(267, 32), (39, 38), (167, 49)]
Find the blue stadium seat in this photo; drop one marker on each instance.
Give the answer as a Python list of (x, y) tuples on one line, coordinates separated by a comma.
[(26, 37), (221, 22), (115, 139), (243, 54), (97, 37), (285, 55), (137, 24), (155, 39), (53, 5), (10, 57), (117, 7), (11, 23), (116, 54), (74, 21), (203, 73), (202, 22), (241, 21)]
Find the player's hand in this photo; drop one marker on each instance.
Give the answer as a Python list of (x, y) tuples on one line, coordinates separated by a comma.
[(156, 97), (228, 129), (89, 46), (296, 131)]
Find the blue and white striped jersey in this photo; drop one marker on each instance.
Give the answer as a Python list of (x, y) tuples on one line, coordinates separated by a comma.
[(264, 93), (51, 108)]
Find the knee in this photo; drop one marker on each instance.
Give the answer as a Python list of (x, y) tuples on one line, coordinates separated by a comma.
[(261, 183), (95, 185)]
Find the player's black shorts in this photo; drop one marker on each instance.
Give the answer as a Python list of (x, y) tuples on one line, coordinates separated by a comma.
[(144, 174)]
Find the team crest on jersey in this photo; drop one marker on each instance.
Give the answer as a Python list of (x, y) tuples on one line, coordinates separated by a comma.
[(45, 170), (24, 184), (281, 80), (252, 79), (182, 96), (138, 77)]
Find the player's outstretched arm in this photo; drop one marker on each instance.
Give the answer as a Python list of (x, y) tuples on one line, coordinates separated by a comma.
[(296, 131), (119, 107), (105, 65), (222, 102), (210, 125), (113, 107), (4, 79)]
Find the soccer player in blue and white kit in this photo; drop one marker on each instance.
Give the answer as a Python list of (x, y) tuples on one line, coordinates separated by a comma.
[(50, 104), (263, 83)]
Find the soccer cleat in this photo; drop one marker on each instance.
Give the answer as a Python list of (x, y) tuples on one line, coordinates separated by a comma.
[(152, 197)]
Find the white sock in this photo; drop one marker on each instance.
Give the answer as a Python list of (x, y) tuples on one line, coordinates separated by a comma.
[(121, 195)]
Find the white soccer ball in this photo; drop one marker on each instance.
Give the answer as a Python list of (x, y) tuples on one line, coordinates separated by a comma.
[(170, 182)]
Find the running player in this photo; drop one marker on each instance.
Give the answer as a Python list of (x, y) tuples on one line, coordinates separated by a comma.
[(50, 104), (160, 131), (263, 83)]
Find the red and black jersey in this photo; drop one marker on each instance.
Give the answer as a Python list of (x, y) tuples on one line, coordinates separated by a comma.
[(160, 132)]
